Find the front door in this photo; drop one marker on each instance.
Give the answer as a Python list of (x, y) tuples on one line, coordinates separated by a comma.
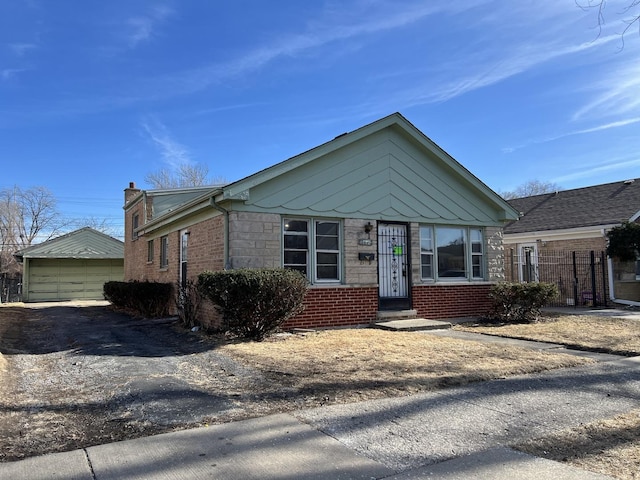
[(393, 267)]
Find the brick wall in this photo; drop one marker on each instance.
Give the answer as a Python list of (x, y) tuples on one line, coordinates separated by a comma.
[(134, 250), (337, 307), (344, 306), (205, 251), (440, 301)]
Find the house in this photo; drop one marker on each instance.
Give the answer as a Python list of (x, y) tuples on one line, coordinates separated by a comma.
[(74, 266), (576, 222), (380, 219)]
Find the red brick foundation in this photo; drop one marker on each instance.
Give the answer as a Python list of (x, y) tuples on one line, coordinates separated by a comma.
[(336, 307), (350, 307), (451, 301)]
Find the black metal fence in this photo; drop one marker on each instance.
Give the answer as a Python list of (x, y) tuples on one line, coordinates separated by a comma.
[(10, 289), (581, 276)]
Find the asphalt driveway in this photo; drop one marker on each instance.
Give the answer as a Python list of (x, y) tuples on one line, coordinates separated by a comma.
[(88, 375)]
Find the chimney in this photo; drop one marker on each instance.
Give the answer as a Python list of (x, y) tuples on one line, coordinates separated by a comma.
[(130, 192)]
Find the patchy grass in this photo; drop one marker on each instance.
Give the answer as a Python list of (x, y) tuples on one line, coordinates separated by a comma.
[(355, 364), (340, 366), (611, 446), (602, 334)]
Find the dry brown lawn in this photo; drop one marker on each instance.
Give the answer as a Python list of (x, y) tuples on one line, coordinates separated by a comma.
[(355, 364), (340, 366), (603, 334)]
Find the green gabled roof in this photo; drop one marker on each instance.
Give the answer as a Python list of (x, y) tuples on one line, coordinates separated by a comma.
[(85, 243), (387, 169)]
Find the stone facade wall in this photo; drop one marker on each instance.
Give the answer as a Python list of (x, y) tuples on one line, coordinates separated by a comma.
[(356, 241), (495, 257), (254, 240)]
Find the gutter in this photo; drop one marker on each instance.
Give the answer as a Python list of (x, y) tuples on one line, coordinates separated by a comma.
[(225, 212)]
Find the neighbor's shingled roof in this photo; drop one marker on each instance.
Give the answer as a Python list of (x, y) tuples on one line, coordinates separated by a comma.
[(611, 203)]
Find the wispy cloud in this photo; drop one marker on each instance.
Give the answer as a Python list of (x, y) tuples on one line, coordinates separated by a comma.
[(142, 28), (21, 49), (368, 18), (599, 170), (173, 153), (598, 128), (9, 73), (485, 72), (618, 92)]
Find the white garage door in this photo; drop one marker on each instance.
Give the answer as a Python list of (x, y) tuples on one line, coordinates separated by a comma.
[(71, 279)]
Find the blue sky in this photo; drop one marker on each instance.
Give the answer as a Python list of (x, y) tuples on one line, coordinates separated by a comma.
[(96, 94)]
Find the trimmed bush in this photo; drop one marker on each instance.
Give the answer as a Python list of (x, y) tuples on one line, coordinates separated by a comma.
[(520, 302), (254, 302), (147, 299)]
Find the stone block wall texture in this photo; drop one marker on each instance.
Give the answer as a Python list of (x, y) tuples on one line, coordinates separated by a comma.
[(254, 240), (360, 272), (494, 254)]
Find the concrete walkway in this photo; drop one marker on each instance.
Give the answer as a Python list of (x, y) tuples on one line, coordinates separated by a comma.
[(457, 433)]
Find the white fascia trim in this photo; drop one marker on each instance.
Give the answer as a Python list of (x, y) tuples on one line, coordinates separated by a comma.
[(597, 231)]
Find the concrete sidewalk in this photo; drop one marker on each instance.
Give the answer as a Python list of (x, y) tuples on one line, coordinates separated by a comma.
[(454, 433)]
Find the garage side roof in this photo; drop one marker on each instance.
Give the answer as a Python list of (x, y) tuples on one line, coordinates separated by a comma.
[(85, 243)]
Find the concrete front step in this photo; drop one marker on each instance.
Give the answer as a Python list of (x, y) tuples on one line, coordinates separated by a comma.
[(387, 315), (411, 325)]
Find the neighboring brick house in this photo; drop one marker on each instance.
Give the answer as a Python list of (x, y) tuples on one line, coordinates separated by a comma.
[(574, 221), (379, 219)]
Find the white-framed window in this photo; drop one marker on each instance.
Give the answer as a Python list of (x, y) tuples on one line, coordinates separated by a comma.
[(449, 253), (150, 251), (313, 247), (135, 223), (164, 251)]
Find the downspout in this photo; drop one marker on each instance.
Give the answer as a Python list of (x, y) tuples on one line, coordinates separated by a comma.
[(225, 212)]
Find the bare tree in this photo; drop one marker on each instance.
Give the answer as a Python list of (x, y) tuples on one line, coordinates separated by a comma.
[(186, 175), (99, 224), (530, 188), (26, 215), (629, 11)]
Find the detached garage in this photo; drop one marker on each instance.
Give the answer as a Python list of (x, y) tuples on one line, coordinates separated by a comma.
[(74, 266)]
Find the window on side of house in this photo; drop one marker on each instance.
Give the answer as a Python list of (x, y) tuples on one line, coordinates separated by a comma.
[(135, 223), (164, 252), (477, 253), (313, 247), (150, 251), (451, 253), (638, 269), (426, 252)]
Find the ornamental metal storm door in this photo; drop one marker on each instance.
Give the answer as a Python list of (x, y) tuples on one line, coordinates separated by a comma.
[(393, 267)]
